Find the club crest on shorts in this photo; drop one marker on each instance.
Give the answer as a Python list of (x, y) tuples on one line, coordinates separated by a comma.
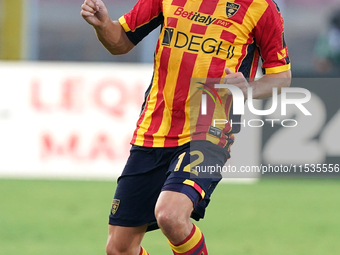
[(115, 205), (231, 9)]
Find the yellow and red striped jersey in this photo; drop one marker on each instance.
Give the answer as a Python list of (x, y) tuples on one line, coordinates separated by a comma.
[(198, 39)]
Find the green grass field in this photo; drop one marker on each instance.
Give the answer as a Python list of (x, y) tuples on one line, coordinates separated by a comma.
[(272, 217)]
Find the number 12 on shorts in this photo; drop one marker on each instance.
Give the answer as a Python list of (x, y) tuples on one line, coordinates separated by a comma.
[(190, 168)]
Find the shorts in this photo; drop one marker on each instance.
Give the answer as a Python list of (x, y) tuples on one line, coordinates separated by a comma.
[(150, 170)]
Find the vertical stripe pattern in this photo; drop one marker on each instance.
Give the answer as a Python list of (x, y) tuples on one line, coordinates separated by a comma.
[(181, 94), (155, 119), (198, 40)]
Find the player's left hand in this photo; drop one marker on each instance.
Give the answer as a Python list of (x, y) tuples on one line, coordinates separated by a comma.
[(236, 79)]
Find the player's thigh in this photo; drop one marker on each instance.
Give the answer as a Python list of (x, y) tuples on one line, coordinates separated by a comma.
[(139, 187), (135, 199), (172, 204), (125, 240), (188, 175)]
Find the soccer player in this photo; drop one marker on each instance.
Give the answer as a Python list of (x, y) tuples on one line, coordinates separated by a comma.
[(212, 40)]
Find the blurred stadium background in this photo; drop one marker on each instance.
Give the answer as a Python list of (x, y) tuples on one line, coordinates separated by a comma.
[(67, 111)]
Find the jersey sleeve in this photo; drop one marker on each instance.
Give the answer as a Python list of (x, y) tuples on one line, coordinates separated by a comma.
[(145, 16), (269, 36)]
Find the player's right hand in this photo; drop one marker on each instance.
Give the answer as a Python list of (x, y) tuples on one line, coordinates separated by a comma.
[(94, 12)]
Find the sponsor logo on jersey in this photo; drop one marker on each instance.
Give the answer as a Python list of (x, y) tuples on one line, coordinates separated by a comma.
[(231, 9), (222, 23), (168, 33), (195, 16), (200, 18), (196, 43), (115, 205)]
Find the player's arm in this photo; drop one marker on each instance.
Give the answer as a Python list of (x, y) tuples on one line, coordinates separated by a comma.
[(274, 52), (110, 33), (263, 87)]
